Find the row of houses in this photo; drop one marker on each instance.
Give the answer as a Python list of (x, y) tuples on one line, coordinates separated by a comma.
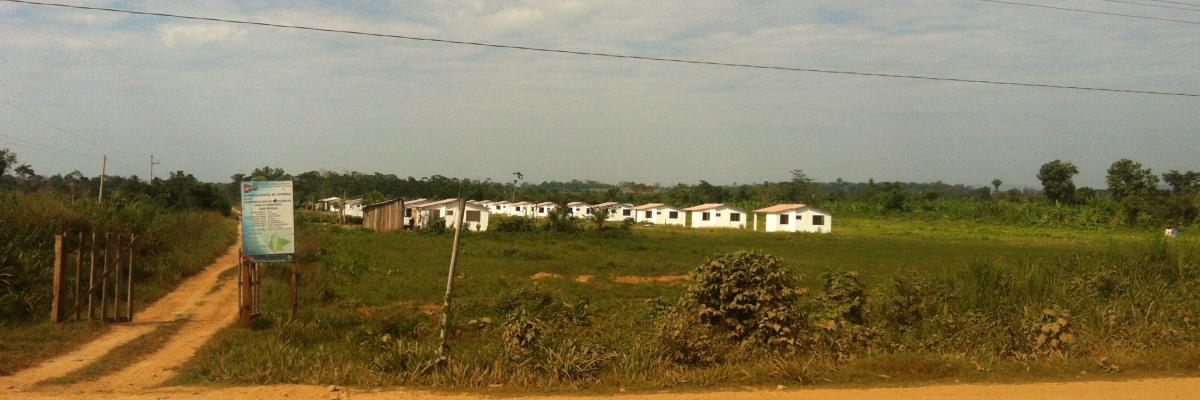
[(411, 214)]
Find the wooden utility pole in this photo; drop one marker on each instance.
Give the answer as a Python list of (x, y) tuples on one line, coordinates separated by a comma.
[(444, 348), (103, 171), (56, 301)]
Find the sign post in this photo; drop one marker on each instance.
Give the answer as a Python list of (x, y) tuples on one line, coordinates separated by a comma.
[(268, 236)]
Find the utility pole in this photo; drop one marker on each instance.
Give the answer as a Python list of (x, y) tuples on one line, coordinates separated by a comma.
[(444, 348), (103, 171), (152, 164), (520, 176)]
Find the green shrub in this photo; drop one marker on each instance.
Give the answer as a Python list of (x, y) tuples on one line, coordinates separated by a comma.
[(513, 224)]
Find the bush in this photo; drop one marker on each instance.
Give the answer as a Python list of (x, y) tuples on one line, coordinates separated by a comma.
[(743, 297), (436, 226), (513, 224)]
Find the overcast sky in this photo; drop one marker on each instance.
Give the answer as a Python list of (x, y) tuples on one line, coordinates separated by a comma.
[(217, 99)]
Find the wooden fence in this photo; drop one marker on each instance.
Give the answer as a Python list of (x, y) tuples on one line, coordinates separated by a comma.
[(86, 266)]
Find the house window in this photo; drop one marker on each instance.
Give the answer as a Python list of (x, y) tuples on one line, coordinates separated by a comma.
[(625, 212), (649, 214), (449, 213), (783, 219), (541, 209), (472, 216), (704, 216), (408, 213), (674, 215), (818, 220), (735, 217), (718, 215)]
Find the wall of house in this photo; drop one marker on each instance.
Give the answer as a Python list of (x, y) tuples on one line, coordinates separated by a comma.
[(721, 217), (618, 212), (799, 221)]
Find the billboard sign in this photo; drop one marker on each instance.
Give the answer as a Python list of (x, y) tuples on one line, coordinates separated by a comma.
[(268, 223)]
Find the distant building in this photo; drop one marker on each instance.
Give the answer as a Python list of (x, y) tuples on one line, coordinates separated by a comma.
[(329, 204), (475, 216), (542, 210), (616, 211), (795, 218), (384, 216), (354, 208), (716, 215), (522, 209), (658, 214), (579, 209)]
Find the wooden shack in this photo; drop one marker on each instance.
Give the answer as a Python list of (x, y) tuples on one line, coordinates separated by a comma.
[(384, 216)]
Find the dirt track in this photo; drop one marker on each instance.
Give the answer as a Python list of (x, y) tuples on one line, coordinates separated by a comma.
[(1181, 388), (208, 311)]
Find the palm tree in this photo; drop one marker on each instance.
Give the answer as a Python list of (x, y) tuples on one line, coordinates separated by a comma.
[(996, 184)]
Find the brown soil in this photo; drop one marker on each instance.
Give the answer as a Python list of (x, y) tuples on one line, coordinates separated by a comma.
[(544, 275), (207, 301), (1156, 389), (638, 279), (584, 278)]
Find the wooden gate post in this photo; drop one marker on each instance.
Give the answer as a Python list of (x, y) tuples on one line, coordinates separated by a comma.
[(104, 281), (91, 308), (129, 284), (78, 273), (116, 275), (244, 311), (55, 310)]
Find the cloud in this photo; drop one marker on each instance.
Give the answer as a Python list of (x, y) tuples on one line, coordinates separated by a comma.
[(198, 34)]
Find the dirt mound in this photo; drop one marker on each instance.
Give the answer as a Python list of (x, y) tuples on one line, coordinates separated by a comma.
[(638, 279), (544, 275)]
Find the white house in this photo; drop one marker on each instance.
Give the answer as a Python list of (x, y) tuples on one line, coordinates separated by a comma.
[(521, 209), (500, 207), (409, 206), (327, 204), (659, 214), (796, 218), (579, 209), (475, 217), (354, 208), (616, 211), (716, 215), (542, 210)]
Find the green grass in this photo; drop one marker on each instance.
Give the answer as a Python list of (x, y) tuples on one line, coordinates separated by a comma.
[(365, 299), (123, 356)]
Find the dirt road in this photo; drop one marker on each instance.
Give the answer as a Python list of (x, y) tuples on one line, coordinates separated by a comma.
[(207, 302), (1156, 389)]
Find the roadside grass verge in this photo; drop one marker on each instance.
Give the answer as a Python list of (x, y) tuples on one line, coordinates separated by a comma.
[(123, 356), (938, 304)]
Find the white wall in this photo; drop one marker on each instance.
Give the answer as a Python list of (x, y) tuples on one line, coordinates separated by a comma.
[(720, 217), (446, 211), (543, 211), (618, 212), (662, 216), (799, 220)]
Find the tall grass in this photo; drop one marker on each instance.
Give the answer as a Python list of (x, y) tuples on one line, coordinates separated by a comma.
[(935, 306)]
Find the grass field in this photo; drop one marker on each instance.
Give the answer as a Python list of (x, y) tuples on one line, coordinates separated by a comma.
[(370, 303)]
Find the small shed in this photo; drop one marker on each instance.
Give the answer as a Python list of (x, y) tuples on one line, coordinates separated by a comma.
[(716, 215), (354, 208), (384, 216), (329, 204), (659, 214), (795, 218), (579, 209)]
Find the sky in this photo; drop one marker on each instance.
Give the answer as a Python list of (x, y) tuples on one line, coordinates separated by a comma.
[(217, 99)]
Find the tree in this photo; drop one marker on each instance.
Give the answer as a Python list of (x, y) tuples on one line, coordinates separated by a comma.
[(996, 184), (1182, 182), (1132, 186), (1056, 180), (7, 159), (269, 174), (600, 215)]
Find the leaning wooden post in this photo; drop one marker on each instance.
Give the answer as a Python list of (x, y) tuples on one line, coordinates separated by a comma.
[(55, 311), (78, 273), (240, 295), (444, 348), (295, 288), (91, 308), (129, 284)]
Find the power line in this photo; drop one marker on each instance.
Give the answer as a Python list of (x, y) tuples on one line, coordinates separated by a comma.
[(59, 128), (1013, 3), (1152, 5), (615, 55), (1175, 2)]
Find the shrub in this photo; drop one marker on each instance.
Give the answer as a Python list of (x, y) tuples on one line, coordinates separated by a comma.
[(436, 226), (747, 296), (559, 219), (513, 224)]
